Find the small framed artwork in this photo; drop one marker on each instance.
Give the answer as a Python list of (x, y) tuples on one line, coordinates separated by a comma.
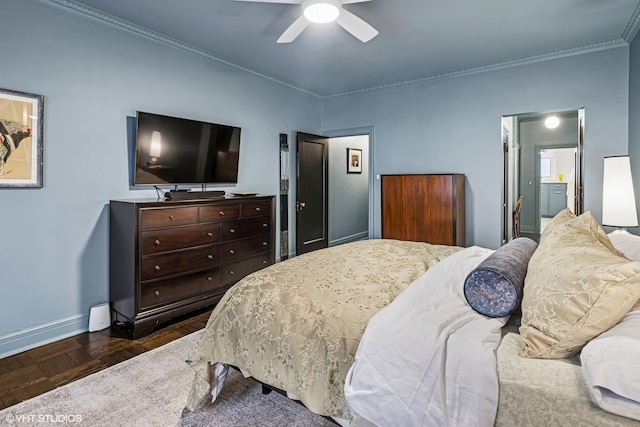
[(21, 126), (354, 160)]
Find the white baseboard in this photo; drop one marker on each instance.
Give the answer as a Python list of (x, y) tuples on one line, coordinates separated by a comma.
[(19, 341), (352, 238), (364, 235)]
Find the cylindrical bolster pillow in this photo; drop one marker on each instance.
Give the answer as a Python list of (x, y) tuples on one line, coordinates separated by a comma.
[(494, 288)]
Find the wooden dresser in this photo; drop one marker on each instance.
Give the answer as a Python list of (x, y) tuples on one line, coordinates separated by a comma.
[(424, 208), (168, 258)]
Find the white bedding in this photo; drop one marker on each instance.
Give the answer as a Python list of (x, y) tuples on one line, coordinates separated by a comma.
[(428, 358), (611, 370)]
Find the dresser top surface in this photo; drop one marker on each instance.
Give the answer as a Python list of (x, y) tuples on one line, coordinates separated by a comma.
[(195, 200)]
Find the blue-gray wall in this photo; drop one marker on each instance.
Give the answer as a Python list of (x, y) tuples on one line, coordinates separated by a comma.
[(54, 263), (453, 125), (634, 119), (533, 134), (348, 192)]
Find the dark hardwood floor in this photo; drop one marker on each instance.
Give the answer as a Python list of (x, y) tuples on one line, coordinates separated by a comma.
[(36, 371)]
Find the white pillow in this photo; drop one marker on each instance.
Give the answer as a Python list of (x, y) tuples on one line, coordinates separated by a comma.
[(627, 244), (611, 370)]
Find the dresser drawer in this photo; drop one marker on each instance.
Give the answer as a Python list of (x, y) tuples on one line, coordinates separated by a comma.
[(166, 291), (243, 248), (218, 213), (155, 241), (168, 217), (256, 209), (245, 228), (558, 187), (235, 271), (166, 257), (167, 263)]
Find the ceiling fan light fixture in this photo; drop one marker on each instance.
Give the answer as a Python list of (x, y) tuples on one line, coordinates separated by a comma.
[(321, 11)]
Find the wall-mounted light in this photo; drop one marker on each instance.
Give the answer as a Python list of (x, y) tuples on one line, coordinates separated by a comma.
[(321, 11), (618, 197), (552, 122)]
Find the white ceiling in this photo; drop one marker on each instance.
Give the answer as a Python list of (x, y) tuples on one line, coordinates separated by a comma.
[(419, 39)]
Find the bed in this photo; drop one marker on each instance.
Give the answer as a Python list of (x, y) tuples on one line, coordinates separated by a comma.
[(296, 325), (388, 324)]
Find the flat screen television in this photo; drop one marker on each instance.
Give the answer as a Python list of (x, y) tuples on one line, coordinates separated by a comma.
[(173, 151)]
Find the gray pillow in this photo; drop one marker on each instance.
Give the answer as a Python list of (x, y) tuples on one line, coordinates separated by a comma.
[(494, 288)]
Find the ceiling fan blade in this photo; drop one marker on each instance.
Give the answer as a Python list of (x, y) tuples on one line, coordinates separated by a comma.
[(276, 1), (356, 26), (294, 30), (352, 1)]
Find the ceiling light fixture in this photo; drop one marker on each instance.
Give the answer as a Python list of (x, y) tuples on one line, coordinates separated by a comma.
[(552, 122), (324, 11), (321, 11)]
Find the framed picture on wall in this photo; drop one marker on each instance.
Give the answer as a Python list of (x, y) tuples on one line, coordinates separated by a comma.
[(354, 160), (21, 126)]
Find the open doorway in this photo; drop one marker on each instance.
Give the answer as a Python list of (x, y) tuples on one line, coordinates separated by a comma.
[(543, 168), (556, 182), (345, 216)]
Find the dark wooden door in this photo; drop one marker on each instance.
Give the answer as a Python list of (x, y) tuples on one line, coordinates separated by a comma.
[(312, 196)]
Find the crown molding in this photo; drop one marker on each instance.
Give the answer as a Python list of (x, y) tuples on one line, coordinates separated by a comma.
[(628, 35), (633, 26), (144, 32), (499, 65)]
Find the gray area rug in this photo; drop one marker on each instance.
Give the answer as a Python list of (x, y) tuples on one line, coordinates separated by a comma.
[(151, 390), (242, 404)]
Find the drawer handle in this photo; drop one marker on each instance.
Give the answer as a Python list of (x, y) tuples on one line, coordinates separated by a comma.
[(156, 268), (258, 209), (230, 272), (171, 218), (265, 225), (210, 256), (156, 242), (210, 234), (221, 213), (231, 251), (232, 231), (157, 293), (209, 278), (264, 243), (264, 261)]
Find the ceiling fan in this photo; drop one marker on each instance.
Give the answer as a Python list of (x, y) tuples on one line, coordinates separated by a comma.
[(322, 11)]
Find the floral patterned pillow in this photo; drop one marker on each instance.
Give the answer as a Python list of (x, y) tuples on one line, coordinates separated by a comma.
[(562, 217), (576, 287), (494, 287)]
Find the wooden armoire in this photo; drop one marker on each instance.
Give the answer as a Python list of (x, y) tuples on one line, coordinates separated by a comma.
[(424, 208)]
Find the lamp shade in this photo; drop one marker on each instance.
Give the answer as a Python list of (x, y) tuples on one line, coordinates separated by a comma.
[(618, 198)]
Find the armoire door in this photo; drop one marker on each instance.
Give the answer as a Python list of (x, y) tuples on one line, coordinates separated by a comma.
[(424, 208)]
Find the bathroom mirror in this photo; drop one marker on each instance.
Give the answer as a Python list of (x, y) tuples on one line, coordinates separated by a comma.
[(542, 167)]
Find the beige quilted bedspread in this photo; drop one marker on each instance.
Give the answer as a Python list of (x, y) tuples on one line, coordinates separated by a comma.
[(296, 325), (545, 392)]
